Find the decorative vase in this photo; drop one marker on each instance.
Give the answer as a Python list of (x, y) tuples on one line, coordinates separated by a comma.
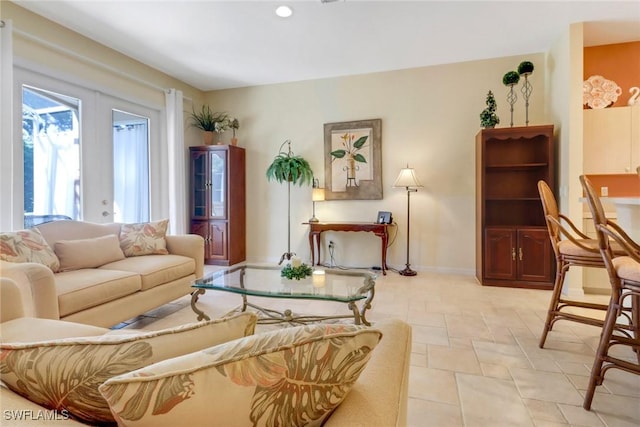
[(207, 137), (234, 141)]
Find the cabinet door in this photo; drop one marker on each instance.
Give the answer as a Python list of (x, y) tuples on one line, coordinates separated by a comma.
[(217, 244), (218, 184), (199, 184), (500, 253), (534, 253), (607, 140)]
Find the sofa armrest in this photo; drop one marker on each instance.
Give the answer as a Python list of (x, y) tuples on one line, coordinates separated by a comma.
[(36, 286), (380, 396), (9, 294), (189, 245)]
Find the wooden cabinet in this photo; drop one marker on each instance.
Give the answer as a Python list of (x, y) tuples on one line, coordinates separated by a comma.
[(217, 205), (611, 140), (512, 244)]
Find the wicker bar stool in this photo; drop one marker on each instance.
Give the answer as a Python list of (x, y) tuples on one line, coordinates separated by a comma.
[(572, 248), (624, 275)]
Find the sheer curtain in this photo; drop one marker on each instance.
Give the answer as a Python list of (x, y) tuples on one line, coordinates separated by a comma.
[(130, 177), (7, 207), (176, 167)]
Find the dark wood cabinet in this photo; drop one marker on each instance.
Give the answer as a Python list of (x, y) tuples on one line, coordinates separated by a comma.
[(512, 244), (217, 205)]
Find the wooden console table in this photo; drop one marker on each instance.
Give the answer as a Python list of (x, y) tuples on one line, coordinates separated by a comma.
[(380, 230)]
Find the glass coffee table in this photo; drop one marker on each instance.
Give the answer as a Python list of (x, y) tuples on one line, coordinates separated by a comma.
[(346, 286)]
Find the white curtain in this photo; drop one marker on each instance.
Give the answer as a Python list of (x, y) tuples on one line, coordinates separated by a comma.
[(131, 173), (7, 207), (176, 168)]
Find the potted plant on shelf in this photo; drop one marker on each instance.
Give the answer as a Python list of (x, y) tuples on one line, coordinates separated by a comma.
[(234, 124), (488, 117), (209, 122)]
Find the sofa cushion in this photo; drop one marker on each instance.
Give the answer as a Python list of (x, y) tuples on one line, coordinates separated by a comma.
[(288, 377), (88, 253), (27, 246), (144, 238), (30, 329), (86, 288), (65, 374), (155, 270)]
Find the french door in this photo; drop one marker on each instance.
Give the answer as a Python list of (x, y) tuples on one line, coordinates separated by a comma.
[(85, 155)]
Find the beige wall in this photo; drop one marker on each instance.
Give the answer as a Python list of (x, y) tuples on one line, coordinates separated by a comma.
[(430, 117), (429, 120), (38, 42)]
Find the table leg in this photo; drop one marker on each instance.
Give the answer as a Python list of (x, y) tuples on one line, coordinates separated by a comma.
[(384, 236), (313, 255), (194, 299), (318, 246)]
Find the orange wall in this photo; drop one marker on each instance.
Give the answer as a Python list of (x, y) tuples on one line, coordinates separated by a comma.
[(618, 62)]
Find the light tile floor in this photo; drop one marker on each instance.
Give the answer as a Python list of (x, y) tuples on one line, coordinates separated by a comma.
[(475, 358)]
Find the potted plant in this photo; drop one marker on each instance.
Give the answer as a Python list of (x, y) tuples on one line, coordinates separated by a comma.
[(488, 117), (234, 124), (209, 122), (286, 167)]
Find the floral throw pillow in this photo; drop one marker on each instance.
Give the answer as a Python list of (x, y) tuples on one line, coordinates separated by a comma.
[(65, 374), (27, 246), (145, 238), (289, 377)]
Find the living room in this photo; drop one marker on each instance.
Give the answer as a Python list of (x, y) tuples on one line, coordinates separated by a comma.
[(430, 116), (429, 121)]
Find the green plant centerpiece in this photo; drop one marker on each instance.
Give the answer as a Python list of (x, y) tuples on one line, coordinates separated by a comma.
[(287, 167), (296, 270), (488, 117)]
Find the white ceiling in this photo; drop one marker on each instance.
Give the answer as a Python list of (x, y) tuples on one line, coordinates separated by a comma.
[(226, 44)]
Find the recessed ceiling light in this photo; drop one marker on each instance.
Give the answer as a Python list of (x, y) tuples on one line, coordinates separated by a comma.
[(284, 11)]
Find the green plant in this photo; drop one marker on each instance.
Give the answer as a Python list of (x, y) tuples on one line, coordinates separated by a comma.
[(288, 167), (351, 147), (511, 78), (525, 67), (233, 125), (208, 121), (488, 117), (299, 272)]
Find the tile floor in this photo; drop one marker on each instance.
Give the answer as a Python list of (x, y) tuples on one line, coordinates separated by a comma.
[(475, 358)]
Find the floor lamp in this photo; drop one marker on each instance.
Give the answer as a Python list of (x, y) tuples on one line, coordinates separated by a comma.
[(408, 180)]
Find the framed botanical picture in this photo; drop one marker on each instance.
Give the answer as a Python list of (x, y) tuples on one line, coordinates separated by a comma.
[(353, 160)]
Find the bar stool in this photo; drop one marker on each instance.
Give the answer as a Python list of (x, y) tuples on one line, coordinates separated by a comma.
[(572, 248), (624, 276)]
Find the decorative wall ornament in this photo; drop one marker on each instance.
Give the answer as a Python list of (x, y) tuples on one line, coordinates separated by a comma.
[(510, 79), (353, 160), (525, 69), (598, 92)]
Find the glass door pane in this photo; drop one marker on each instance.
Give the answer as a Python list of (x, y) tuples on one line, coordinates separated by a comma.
[(51, 144), (130, 167), (218, 184)]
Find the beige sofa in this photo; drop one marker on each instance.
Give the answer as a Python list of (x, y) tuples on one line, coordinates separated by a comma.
[(378, 398), (110, 293)]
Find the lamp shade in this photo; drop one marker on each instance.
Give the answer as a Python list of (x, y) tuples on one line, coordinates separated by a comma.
[(317, 195), (407, 178)]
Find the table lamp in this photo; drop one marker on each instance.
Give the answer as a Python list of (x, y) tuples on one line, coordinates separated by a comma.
[(409, 180), (316, 196)]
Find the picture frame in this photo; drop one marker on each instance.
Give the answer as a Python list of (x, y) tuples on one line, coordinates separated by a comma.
[(353, 160)]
